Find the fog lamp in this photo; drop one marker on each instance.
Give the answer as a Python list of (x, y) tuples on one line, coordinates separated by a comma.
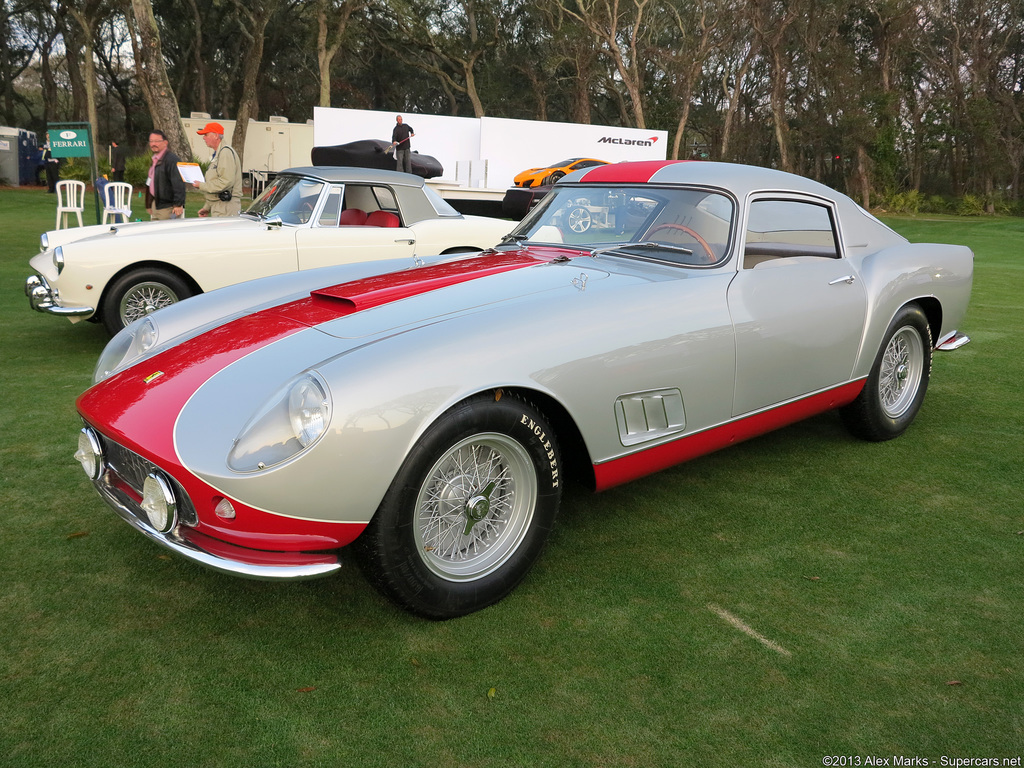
[(225, 509), (90, 453), (158, 503)]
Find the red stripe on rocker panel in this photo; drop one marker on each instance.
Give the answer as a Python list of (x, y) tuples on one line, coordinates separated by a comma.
[(639, 172), (622, 470)]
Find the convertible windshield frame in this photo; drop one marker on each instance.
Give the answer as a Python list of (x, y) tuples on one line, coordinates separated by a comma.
[(692, 226), (293, 199)]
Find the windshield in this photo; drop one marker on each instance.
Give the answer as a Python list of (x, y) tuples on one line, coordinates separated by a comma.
[(682, 226), (293, 198)]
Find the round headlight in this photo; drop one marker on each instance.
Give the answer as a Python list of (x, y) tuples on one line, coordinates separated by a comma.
[(294, 418), (158, 503), (308, 410), (90, 453), (129, 344), (146, 335)]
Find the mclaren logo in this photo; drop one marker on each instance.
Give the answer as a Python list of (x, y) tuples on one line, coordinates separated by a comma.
[(628, 142)]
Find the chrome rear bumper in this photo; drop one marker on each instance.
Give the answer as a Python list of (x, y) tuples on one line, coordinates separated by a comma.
[(42, 298), (952, 340)]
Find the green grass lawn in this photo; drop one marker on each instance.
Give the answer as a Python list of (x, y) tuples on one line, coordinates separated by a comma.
[(798, 596)]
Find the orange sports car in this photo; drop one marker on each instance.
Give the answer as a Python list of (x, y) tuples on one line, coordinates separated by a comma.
[(536, 177)]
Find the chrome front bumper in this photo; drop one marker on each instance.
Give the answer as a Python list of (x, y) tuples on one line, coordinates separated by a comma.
[(228, 558), (43, 298), (121, 476)]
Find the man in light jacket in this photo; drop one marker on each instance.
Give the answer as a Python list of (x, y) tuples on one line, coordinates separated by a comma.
[(222, 187)]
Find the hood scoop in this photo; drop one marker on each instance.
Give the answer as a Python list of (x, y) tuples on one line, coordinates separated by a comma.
[(383, 289)]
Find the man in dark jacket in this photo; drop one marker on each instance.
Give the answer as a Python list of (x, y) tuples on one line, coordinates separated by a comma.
[(118, 160), (400, 141), (52, 167), (166, 187)]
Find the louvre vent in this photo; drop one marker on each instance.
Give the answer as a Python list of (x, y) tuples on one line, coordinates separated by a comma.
[(646, 416)]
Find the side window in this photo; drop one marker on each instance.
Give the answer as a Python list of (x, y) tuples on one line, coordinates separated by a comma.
[(332, 207), (385, 199), (781, 229)]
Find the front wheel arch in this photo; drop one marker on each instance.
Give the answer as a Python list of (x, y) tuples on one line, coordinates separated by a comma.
[(470, 509), (191, 287)]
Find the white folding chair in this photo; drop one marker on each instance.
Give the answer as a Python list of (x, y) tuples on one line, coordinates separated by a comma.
[(70, 200), (117, 202)]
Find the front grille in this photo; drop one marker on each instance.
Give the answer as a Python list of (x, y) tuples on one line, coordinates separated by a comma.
[(132, 469)]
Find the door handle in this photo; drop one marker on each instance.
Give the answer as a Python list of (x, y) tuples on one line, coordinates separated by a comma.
[(848, 279), (408, 240)]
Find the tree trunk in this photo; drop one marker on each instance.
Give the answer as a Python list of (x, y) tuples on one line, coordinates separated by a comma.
[(152, 75), (249, 104), (863, 176)]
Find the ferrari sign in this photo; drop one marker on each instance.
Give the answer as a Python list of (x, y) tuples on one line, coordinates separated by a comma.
[(70, 142)]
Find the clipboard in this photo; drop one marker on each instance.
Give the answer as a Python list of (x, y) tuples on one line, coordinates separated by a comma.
[(191, 172)]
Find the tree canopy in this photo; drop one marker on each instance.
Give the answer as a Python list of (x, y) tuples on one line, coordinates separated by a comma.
[(875, 97)]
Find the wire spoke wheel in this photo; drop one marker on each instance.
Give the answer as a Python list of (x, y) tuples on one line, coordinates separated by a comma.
[(901, 371), (138, 293), (475, 506), (144, 299), (469, 510), (898, 380)]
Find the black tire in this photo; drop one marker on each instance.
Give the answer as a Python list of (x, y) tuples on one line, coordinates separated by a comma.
[(470, 510), (552, 178), (138, 293), (896, 386)]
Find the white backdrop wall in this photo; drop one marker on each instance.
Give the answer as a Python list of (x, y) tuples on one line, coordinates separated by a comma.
[(490, 151)]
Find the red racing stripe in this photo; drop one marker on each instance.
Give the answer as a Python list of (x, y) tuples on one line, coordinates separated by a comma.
[(639, 172), (138, 407)]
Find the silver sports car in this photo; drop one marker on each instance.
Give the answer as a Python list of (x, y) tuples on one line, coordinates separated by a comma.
[(643, 314)]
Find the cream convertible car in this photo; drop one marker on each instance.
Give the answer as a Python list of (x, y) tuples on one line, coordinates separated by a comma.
[(308, 217)]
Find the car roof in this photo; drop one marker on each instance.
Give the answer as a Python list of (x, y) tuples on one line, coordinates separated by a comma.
[(339, 173), (741, 179)]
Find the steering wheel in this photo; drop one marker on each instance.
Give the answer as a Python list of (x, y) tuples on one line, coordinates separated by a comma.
[(710, 254)]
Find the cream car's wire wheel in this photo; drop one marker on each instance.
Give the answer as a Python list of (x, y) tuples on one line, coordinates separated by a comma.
[(137, 293), (475, 506), (901, 371), (145, 298)]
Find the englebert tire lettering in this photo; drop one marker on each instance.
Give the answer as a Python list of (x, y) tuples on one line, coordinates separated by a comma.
[(539, 432)]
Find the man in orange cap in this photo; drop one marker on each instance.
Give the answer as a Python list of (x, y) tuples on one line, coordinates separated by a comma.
[(222, 187)]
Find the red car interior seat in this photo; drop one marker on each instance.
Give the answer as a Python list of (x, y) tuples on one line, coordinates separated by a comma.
[(382, 219), (352, 217)]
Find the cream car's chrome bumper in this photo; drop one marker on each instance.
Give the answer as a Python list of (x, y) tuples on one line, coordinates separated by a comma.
[(42, 298)]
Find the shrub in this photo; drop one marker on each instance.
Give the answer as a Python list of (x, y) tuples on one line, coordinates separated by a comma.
[(904, 202), (970, 205), (936, 204), (76, 168)]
